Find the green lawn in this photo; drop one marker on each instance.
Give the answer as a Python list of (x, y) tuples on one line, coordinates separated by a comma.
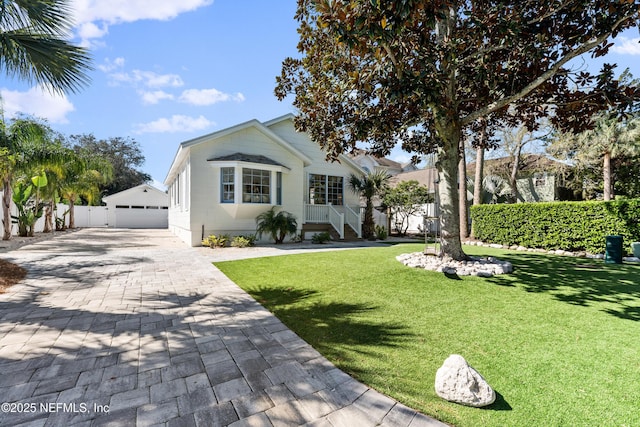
[(559, 339)]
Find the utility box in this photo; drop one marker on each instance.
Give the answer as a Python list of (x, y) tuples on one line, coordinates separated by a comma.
[(613, 252)]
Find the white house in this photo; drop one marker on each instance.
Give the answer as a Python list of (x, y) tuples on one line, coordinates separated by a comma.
[(220, 182), (144, 206)]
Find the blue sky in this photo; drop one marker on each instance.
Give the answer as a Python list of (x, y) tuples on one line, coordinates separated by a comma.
[(167, 71)]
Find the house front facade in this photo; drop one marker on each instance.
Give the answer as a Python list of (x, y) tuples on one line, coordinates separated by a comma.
[(220, 182)]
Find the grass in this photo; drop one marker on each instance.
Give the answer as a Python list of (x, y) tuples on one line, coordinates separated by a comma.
[(558, 339)]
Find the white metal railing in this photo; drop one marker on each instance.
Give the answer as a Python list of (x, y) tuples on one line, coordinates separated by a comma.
[(336, 219), (354, 220)]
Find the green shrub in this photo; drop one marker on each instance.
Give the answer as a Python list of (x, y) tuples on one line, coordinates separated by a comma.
[(320, 238), (572, 226), (381, 232), (214, 241), (244, 241)]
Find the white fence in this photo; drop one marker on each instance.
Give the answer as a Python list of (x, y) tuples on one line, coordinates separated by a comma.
[(85, 216)]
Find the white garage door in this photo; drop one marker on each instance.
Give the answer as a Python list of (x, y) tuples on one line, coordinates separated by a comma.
[(141, 216)]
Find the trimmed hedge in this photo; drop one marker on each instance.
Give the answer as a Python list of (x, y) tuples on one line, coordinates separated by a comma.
[(571, 226)]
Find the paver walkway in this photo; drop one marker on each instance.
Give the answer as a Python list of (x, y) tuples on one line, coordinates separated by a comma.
[(132, 327)]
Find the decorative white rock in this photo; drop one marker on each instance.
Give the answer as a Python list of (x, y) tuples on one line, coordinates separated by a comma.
[(458, 382), (488, 266)]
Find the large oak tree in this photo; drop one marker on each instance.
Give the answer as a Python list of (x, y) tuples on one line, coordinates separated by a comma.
[(374, 72)]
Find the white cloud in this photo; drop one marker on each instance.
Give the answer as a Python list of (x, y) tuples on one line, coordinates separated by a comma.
[(176, 123), (147, 78), (90, 30), (110, 65), (627, 46), (208, 97), (38, 102), (154, 97), (102, 13)]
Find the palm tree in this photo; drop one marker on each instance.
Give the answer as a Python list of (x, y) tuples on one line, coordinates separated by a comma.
[(33, 45), (278, 224), (368, 186), (32, 150), (85, 174), (610, 138)]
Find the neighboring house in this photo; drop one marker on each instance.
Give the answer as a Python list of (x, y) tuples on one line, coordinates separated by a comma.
[(220, 182), (427, 217), (144, 206), (371, 163), (540, 179)]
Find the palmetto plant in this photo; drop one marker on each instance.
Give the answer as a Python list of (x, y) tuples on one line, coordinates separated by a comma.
[(277, 224)]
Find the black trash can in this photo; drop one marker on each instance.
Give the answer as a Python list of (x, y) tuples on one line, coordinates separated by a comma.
[(613, 253)]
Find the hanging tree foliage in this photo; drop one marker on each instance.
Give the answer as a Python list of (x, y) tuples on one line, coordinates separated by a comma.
[(376, 72)]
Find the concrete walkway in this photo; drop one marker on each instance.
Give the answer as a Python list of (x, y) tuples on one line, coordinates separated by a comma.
[(125, 327)]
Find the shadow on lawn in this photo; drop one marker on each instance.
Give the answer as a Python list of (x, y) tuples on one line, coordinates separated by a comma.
[(328, 325), (500, 404), (612, 288)]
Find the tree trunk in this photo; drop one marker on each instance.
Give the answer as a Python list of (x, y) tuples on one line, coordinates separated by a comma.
[(606, 171), (477, 184), (450, 133), (462, 191), (48, 218), (367, 226), (6, 208), (72, 216), (513, 177)]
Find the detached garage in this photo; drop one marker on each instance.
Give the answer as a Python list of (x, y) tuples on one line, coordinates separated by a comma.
[(143, 206)]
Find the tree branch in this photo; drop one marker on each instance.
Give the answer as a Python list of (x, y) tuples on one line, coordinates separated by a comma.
[(499, 104)]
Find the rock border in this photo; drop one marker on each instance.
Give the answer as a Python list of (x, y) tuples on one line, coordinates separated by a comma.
[(475, 266)]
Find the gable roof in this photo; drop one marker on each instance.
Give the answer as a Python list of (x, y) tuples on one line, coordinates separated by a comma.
[(341, 157), (185, 147), (135, 190)]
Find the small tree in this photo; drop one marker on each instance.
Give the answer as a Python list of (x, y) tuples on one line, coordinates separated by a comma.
[(406, 199), (368, 186), (277, 224)]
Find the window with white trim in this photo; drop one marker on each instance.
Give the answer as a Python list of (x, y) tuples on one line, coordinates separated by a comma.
[(227, 184), (256, 186), (326, 189)]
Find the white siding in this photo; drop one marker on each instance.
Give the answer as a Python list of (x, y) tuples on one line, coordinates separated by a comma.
[(320, 166)]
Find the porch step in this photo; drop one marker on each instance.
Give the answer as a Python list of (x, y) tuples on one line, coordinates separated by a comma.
[(349, 234)]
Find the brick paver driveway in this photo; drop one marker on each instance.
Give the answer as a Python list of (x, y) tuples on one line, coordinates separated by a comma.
[(132, 327)]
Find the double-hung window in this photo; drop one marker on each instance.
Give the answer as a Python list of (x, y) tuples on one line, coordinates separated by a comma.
[(228, 188)]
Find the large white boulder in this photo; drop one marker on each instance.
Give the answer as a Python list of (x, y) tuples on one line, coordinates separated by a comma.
[(458, 382)]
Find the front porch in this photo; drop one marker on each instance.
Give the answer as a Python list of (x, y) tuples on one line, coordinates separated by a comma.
[(344, 220)]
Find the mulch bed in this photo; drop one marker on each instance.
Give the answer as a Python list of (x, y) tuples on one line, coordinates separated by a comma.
[(10, 274)]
